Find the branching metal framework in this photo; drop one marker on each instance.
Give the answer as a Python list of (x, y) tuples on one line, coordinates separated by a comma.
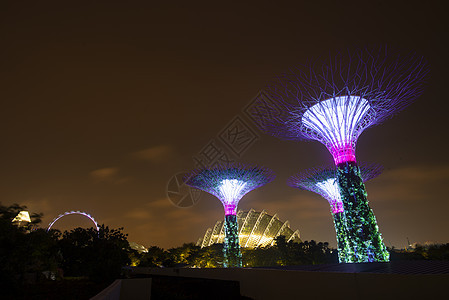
[(333, 102), (323, 181), (229, 184)]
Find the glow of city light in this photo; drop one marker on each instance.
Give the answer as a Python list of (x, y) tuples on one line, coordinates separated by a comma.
[(338, 121), (332, 194), (232, 190)]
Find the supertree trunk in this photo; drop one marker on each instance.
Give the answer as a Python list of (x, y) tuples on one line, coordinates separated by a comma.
[(229, 184), (333, 101), (366, 241), (324, 182), (231, 249), (345, 252)]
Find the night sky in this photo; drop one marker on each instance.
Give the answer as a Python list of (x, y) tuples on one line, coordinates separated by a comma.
[(102, 103)]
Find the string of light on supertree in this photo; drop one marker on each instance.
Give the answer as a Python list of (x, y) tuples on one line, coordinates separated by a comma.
[(323, 181), (333, 102), (229, 184)]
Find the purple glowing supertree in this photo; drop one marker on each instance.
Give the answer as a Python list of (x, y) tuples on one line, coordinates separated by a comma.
[(333, 102), (229, 184), (323, 181)]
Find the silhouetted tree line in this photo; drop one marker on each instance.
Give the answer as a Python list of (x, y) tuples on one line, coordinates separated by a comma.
[(281, 254), (290, 253), (186, 255), (29, 254), (421, 252), (98, 255)]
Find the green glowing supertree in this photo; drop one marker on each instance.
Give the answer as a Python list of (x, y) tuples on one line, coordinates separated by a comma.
[(333, 102), (323, 181), (229, 184)]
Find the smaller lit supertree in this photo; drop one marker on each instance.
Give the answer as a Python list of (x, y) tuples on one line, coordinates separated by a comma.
[(229, 184), (324, 182)]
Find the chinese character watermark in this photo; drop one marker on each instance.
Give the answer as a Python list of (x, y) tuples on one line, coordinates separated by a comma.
[(239, 135)]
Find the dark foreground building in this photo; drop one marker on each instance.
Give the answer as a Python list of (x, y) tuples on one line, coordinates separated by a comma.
[(393, 280)]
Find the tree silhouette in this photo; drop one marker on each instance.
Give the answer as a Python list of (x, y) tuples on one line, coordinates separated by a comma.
[(98, 255), (153, 258), (23, 250)]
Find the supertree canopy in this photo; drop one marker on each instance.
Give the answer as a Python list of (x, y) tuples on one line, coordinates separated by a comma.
[(229, 184), (333, 102), (323, 181)]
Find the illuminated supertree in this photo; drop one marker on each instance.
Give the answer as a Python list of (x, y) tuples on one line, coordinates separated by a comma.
[(323, 181), (333, 102), (229, 184)]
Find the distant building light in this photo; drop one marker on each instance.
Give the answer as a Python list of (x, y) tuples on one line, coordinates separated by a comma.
[(22, 216)]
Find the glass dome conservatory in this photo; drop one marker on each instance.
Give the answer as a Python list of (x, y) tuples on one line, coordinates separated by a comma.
[(256, 229)]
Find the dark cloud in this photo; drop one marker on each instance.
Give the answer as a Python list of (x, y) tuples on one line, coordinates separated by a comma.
[(156, 154), (110, 175), (104, 174)]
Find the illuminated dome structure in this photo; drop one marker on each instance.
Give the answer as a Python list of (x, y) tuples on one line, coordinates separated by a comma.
[(138, 247), (229, 184), (323, 181), (256, 229), (333, 102)]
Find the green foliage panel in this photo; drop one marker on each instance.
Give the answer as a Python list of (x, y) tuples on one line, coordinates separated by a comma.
[(363, 232), (231, 250), (345, 252)]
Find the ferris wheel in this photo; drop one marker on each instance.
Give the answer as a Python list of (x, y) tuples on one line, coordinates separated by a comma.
[(73, 212)]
